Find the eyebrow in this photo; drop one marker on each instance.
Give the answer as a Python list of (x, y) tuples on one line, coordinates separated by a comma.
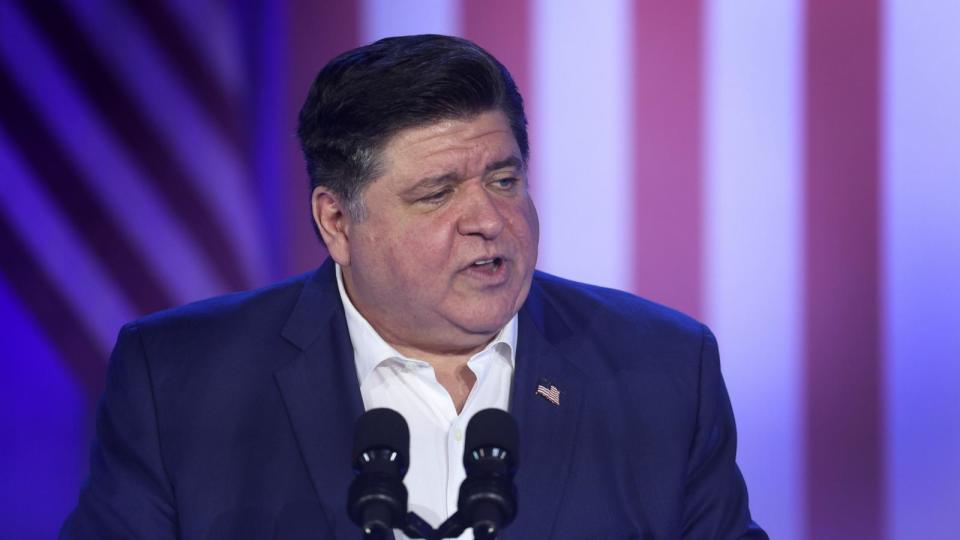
[(512, 161)]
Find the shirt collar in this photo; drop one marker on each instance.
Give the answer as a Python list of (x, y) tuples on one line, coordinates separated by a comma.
[(370, 350)]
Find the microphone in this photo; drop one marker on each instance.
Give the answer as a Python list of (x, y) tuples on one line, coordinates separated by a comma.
[(488, 496), (377, 500)]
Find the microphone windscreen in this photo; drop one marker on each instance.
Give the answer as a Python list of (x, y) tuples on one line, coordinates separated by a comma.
[(382, 428), (492, 428)]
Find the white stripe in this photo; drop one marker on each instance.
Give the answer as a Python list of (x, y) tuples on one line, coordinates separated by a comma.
[(752, 232), (580, 145), (85, 285), (922, 256), (384, 18), (158, 237), (216, 170)]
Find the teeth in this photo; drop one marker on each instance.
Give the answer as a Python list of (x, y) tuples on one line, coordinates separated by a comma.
[(483, 262)]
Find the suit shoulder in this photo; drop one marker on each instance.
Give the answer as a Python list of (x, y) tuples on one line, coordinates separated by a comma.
[(195, 344), (607, 332), (238, 311), (582, 303)]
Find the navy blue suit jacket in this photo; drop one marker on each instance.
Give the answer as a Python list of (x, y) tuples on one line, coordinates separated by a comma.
[(233, 418)]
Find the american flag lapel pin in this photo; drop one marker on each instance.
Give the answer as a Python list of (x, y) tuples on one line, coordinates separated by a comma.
[(548, 391)]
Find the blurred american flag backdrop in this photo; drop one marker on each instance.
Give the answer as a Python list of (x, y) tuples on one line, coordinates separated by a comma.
[(787, 171)]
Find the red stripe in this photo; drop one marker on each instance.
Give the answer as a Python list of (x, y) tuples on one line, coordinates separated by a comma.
[(843, 365), (502, 27), (316, 33), (666, 149)]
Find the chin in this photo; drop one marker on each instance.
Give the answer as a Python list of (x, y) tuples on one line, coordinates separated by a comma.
[(484, 325), (483, 315)]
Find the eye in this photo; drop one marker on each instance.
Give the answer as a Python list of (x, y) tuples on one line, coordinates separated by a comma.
[(506, 183), (435, 197)]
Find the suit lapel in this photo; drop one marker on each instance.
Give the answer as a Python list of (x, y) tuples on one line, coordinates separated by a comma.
[(547, 431), (321, 392)]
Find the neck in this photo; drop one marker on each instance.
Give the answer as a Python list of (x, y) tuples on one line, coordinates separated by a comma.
[(451, 371), (457, 380)]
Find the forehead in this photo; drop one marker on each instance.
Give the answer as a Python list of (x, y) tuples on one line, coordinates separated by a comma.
[(460, 146)]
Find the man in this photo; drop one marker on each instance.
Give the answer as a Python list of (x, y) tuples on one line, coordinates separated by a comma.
[(233, 417)]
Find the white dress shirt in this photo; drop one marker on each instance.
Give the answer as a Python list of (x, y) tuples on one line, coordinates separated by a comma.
[(410, 387)]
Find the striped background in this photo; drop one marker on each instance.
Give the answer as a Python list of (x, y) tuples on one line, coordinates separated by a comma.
[(787, 171)]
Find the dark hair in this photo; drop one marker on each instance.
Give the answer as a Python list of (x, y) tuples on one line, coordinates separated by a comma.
[(365, 96)]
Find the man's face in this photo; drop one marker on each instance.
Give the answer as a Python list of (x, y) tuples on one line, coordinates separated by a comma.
[(445, 253)]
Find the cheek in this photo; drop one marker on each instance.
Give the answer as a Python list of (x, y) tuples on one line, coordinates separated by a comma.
[(421, 251), (533, 219), (526, 226)]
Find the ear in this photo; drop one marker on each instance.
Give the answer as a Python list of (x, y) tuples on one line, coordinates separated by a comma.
[(333, 222)]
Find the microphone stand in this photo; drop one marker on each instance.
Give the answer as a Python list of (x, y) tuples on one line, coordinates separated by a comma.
[(452, 527), (415, 527)]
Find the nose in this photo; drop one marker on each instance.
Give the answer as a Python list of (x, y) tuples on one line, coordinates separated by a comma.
[(480, 215)]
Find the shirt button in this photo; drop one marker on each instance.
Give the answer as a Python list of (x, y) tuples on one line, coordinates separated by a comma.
[(458, 435)]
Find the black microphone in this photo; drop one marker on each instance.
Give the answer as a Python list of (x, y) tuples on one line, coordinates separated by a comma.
[(377, 500), (488, 496)]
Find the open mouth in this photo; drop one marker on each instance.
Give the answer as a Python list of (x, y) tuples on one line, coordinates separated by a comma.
[(489, 265)]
